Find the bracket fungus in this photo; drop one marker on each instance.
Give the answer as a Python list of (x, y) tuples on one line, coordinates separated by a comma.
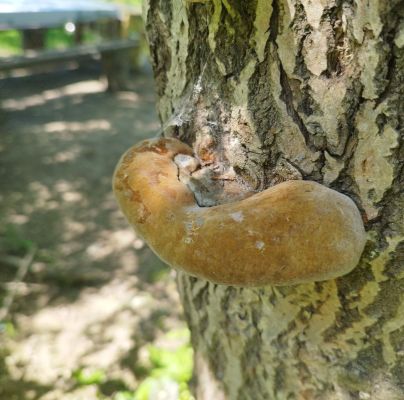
[(293, 232)]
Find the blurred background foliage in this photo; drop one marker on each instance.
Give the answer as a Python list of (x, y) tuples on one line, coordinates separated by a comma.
[(56, 38)]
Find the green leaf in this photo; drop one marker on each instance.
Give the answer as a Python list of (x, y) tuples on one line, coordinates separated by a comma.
[(176, 364), (124, 396), (89, 377), (8, 329)]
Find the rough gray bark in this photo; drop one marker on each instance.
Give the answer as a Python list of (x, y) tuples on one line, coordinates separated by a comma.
[(288, 89)]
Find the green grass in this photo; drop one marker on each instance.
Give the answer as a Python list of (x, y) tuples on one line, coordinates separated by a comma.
[(10, 42), (58, 38), (7, 329), (167, 368), (84, 377), (13, 242)]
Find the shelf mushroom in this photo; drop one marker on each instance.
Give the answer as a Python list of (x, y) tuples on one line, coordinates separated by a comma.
[(293, 232)]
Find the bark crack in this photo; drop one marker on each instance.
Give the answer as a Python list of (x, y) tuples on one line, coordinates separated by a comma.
[(287, 98)]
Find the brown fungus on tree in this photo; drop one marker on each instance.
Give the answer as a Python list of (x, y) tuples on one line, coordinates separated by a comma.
[(293, 232)]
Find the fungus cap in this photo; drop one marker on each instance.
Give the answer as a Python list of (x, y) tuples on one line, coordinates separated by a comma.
[(293, 232)]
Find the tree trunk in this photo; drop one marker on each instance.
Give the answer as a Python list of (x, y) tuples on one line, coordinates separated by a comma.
[(267, 91)]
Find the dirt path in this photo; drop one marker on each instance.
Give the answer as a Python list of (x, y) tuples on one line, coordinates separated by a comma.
[(94, 296)]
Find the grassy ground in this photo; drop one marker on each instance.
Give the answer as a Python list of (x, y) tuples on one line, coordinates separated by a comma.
[(97, 315), (55, 38), (10, 43)]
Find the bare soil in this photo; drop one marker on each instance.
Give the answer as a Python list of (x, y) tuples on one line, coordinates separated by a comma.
[(94, 295)]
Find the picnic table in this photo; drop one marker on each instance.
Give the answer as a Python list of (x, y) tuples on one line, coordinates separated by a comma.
[(33, 17)]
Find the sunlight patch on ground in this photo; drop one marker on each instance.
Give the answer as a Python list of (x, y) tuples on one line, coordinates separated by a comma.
[(128, 96), (110, 242), (74, 89), (68, 194), (73, 228), (63, 156), (93, 328), (61, 126), (49, 198), (18, 219), (41, 192)]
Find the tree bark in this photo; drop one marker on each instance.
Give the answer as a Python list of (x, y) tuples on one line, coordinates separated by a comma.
[(267, 91)]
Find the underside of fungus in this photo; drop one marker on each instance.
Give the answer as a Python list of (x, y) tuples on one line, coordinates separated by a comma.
[(294, 232)]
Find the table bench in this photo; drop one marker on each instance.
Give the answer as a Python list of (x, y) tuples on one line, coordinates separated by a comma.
[(33, 18), (114, 56)]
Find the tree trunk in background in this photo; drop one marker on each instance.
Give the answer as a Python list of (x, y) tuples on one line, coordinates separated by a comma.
[(283, 89)]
